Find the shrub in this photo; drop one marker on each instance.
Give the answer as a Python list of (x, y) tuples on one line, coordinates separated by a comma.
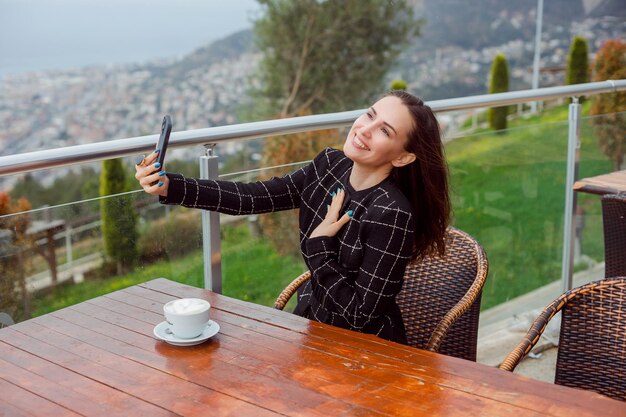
[(399, 85), (610, 64), (172, 237)]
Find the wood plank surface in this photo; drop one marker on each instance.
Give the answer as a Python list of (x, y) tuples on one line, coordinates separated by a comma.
[(447, 371), (314, 370), (18, 401), (612, 183), (374, 372), (100, 357), (66, 386)]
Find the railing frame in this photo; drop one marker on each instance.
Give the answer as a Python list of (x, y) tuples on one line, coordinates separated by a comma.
[(32, 161), (569, 218), (211, 239)]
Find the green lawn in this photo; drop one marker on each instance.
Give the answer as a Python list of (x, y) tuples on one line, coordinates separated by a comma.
[(508, 192), (251, 271)]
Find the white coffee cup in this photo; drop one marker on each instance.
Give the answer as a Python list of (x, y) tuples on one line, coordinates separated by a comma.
[(187, 317)]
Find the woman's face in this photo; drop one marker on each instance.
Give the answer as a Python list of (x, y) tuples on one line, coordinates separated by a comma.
[(377, 138)]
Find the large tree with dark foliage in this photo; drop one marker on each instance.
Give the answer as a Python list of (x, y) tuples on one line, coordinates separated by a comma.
[(318, 57), (328, 56)]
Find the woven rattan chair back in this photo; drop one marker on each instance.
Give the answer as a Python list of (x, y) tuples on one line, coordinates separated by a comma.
[(440, 299), (614, 219), (592, 344)]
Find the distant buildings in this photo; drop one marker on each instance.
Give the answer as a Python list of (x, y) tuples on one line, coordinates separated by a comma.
[(61, 108)]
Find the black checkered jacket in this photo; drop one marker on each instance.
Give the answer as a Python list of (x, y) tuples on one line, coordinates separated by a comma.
[(356, 274)]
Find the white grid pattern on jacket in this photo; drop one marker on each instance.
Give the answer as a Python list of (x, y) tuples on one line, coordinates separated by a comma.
[(356, 274)]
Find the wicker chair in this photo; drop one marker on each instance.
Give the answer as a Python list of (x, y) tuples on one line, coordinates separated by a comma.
[(614, 219), (592, 344), (437, 293)]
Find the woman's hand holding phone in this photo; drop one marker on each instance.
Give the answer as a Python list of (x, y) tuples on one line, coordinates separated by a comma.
[(151, 175), (150, 171)]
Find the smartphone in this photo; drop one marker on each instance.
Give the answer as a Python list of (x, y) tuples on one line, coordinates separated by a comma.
[(166, 129)]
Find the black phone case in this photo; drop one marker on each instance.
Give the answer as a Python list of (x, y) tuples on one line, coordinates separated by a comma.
[(166, 129)]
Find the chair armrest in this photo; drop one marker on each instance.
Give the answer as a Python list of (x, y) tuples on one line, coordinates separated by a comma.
[(536, 329), (530, 340), (290, 290)]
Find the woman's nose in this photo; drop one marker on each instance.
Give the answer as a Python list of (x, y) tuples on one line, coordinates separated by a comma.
[(366, 129)]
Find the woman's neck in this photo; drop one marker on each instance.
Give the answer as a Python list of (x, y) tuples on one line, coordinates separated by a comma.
[(362, 178)]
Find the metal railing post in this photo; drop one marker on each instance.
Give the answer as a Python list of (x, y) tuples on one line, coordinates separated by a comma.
[(69, 256), (211, 239), (573, 159)]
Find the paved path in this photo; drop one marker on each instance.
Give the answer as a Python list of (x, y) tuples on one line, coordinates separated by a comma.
[(503, 326), (65, 272)]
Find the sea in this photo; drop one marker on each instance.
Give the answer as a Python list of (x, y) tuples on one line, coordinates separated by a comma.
[(40, 35)]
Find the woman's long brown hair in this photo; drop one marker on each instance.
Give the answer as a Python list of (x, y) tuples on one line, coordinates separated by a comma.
[(425, 181)]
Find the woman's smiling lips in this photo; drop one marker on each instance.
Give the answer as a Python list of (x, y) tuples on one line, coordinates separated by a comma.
[(357, 142)]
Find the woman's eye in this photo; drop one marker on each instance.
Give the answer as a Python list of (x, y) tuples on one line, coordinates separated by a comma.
[(370, 115), (385, 131)]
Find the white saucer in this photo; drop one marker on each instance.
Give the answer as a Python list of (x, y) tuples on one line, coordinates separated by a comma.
[(161, 332)]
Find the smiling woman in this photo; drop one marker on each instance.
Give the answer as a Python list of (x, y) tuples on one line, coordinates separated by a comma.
[(364, 212), (375, 145), (57, 34)]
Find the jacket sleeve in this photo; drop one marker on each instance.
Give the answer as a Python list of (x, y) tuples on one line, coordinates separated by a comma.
[(228, 197), (387, 245)]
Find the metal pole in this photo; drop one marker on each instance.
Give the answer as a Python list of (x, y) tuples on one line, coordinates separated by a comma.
[(69, 258), (573, 158), (211, 245), (533, 105)]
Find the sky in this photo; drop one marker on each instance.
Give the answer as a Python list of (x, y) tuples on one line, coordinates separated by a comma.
[(59, 34)]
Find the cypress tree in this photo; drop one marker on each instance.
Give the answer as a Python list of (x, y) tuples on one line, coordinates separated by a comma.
[(578, 62), (119, 231), (498, 83)]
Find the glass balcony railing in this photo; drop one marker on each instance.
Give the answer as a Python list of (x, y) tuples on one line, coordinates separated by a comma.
[(61, 258), (589, 248), (508, 191)]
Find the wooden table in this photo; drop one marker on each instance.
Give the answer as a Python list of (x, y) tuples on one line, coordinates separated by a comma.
[(99, 358), (612, 183)]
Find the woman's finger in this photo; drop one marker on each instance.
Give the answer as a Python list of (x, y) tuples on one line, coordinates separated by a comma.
[(160, 187), (148, 180), (344, 219), (144, 171), (335, 227), (148, 160), (336, 202)]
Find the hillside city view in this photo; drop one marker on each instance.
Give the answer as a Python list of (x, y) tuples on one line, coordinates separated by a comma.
[(42, 110)]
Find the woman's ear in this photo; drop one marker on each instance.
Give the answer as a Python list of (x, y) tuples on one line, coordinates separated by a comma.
[(405, 159)]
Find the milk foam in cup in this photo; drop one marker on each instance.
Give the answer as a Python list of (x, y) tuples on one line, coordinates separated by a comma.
[(187, 317)]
